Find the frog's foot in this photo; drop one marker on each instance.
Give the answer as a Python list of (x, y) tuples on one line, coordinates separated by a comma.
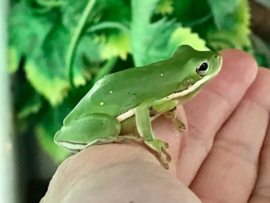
[(160, 148), (179, 124)]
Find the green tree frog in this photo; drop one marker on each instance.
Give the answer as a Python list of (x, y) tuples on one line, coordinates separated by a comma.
[(122, 105)]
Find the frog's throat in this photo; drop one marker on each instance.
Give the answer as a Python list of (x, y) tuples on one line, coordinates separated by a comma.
[(174, 95)]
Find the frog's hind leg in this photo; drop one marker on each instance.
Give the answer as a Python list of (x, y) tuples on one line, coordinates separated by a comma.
[(92, 129), (168, 108)]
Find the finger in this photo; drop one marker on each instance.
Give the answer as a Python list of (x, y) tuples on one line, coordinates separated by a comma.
[(88, 177), (229, 172), (213, 105), (261, 192)]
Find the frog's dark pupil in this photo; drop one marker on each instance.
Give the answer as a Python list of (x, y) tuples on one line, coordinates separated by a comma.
[(203, 66)]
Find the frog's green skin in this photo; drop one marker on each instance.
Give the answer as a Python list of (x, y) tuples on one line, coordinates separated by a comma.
[(121, 102)]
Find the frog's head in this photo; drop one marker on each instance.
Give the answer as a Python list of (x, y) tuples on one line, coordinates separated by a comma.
[(199, 66)]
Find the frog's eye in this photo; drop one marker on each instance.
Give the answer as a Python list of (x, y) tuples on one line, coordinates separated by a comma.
[(202, 69)]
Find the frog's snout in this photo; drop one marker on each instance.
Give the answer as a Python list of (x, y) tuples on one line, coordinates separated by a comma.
[(217, 59), (217, 56)]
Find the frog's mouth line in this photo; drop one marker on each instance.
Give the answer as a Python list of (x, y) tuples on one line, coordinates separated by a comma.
[(196, 85)]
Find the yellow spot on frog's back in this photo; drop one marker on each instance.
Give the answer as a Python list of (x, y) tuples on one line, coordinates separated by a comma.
[(161, 74), (111, 91), (101, 103)]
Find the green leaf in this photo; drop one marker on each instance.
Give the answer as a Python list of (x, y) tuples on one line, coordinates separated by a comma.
[(13, 59), (46, 52), (156, 41), (45, 67), (164, 7), (50, 3), (185, 36), (53, 88), (223, 24), (32, 106), (87, 60), (77, 17), (54, 42), (237, 36), (190, 11), (147, 37), (112, 33), (30, 35), (71, 13), (224, 13), (114, 45), (27, 28), (115, 11), (76, 32), (106, 69)]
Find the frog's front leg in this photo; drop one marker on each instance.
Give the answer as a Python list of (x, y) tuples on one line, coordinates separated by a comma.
[(179, 124), (168, 108), (144, 127)]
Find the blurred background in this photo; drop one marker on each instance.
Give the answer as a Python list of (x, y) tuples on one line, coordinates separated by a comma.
[(53, 51)]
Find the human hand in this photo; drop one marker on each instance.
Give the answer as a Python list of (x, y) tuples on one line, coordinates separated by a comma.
[(225, 155)]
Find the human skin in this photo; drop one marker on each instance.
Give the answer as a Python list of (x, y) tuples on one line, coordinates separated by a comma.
[(223, 156)]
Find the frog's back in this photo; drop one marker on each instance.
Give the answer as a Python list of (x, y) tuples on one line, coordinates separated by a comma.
[(117, 93)]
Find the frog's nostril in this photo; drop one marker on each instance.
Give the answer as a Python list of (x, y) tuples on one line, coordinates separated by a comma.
[(216, 56)]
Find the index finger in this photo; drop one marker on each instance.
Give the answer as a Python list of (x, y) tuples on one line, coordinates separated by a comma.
[(209, 110)]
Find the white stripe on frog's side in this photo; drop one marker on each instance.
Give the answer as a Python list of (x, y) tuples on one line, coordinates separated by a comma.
[(131, 112), (76, 147)]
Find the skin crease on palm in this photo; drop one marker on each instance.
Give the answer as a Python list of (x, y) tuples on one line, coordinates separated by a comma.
[(223, 156)]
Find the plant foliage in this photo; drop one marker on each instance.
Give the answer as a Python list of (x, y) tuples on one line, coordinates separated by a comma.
[(59, 48)]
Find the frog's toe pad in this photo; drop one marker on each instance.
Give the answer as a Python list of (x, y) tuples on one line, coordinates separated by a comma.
[(181, 127), (160, 148)]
